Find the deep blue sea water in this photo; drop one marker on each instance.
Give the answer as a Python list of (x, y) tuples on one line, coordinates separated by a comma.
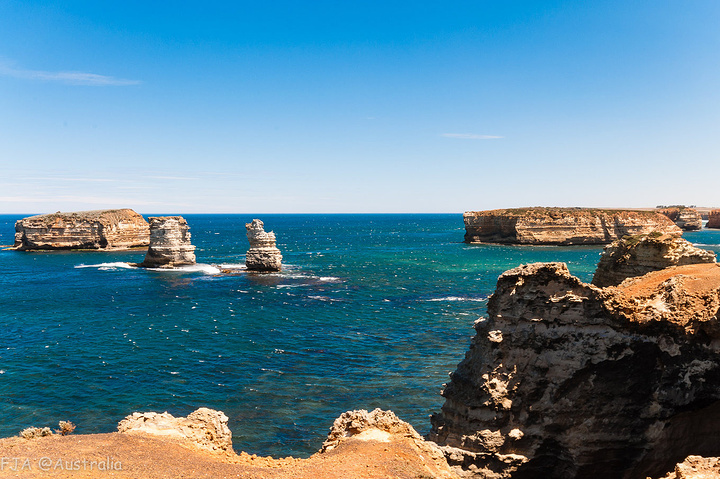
[(370, 311)]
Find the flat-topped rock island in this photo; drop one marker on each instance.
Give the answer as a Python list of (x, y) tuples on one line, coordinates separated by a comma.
[(562, 226), (97, 229)]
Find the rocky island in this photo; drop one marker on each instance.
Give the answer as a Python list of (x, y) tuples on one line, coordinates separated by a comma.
[(94, 230), (561, 226), (687, 219), (169, 243), (713, 219), (263, 256)]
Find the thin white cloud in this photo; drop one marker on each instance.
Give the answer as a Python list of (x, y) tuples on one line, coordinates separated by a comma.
[(89, 200), (471, 136), (178, 178), (63, 178), (69, 78)]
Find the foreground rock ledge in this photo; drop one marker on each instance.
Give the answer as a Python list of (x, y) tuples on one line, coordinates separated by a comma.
[(561, 226), (98, 229), (361, 444), (568, 380)]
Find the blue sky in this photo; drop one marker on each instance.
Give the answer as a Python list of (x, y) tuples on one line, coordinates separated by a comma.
[(304, 107)]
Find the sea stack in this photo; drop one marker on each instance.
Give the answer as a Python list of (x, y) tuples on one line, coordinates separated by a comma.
[(687, 219), (98, 229), (263, 256), (169, 243), (638, 255), (566, 380), (713, 219), (561, 226)]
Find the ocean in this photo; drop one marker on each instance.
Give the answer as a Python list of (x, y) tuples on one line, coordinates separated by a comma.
[(369, 311)]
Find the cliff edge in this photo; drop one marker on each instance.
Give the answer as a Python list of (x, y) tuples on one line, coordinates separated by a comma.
[(561, 226), (567, 380), (99, 229)]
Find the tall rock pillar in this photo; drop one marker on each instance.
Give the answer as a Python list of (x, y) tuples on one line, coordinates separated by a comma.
[(263, 255), (169, 243)]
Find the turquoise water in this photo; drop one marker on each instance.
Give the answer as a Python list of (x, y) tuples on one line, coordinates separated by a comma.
[(370, 311)]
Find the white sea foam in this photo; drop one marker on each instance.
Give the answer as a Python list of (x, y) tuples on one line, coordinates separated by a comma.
[(329, 279), (455, 298), (233, 266), (322, 298), (191, 268), (107, 266)]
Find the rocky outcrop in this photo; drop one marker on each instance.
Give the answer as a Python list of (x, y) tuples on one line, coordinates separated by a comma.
[(385, 426), (567, 380), (263, 255), (696, 467), (205, 428), (637, 255), (561, 226), (101, 230), (687, 219), (169, 243), (713, 219)]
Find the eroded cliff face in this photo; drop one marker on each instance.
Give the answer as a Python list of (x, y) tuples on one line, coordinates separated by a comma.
[(100, 229), (568, 380), (169, 243), (638, 255), (713, 219), (561, 226), (687, 219), (263, 256)]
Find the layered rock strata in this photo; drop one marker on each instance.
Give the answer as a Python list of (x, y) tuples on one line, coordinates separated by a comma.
[(713, 219), (204, 428), (169, 243), (561, 226), (100, 229), (637, 255), (263, 255), (687, 219), (567, 380)]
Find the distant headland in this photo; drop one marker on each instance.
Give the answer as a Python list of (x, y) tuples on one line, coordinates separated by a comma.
[(562, 226)]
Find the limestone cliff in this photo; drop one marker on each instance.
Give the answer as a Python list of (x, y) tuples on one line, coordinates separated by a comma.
[(713, 219), (561, 226), (567, 380), (687, 219), (169, 243), (637, 255), (100, 229), (263, 255)]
